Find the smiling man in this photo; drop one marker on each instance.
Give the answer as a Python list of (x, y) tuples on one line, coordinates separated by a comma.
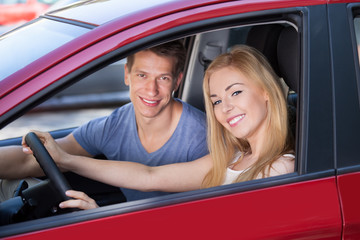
[(153, 129)]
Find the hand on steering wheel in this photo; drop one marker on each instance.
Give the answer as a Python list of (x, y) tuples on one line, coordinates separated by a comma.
[(80, 200), (47, 164)]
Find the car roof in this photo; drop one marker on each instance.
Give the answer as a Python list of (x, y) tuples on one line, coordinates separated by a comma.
[(88, 11), (120, 16)]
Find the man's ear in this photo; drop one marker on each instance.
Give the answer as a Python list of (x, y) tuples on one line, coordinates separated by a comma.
[(178, 81), (126, 75)]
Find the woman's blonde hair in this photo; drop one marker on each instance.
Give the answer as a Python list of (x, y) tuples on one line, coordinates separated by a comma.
[(222, 144)]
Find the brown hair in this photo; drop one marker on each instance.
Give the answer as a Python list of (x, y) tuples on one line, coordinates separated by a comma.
[(174, 49)]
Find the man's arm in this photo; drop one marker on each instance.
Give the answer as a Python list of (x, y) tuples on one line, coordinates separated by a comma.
[(71, 146), (15, 164)]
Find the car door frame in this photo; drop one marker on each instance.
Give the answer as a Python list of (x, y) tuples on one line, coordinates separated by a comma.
[(346, 80), (305, 203)]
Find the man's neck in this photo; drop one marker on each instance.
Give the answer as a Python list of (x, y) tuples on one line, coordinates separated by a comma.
[(155, 132)]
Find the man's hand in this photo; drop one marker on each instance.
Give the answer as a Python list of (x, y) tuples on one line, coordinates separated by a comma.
[(55, 151), (81, 201)]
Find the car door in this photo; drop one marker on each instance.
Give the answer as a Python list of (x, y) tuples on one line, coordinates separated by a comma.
[(300, 205), (344, 21)]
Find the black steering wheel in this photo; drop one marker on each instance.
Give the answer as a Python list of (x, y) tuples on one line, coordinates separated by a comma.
[(48, 165), (42, 199)]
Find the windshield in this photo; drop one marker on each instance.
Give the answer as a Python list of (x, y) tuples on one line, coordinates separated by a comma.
[(26, 44)]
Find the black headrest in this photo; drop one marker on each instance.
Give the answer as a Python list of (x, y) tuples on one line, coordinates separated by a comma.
[(288, 52), (264, 38)]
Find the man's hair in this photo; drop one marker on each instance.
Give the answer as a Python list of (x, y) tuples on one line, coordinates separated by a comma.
[(174, 49)]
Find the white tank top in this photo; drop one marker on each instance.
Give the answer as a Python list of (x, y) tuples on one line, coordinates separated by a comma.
[(232, 175)]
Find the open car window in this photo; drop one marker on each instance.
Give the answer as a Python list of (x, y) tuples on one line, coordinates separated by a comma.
[(76, 105), (94, 96)]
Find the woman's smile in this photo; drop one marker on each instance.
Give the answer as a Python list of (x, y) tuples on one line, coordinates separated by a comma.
[(233, 121)]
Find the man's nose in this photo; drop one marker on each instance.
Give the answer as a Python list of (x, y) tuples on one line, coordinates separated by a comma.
[(152, 87)]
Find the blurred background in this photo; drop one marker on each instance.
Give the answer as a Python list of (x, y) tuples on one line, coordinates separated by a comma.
[(16, 12), (94, 96)]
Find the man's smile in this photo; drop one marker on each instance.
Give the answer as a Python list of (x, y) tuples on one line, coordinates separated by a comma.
[(150, 102)]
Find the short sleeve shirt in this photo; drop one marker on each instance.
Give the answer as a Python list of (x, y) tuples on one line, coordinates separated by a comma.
[(116, 137)]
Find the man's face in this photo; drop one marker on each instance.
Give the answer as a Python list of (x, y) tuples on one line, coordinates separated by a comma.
[(151, 83)]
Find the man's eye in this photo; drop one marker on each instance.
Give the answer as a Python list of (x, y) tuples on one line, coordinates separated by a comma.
[(236, 93), (141, 75), (164, 78)]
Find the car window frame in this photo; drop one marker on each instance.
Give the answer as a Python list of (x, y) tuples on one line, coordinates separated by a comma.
[(349, 93), (304, 171)]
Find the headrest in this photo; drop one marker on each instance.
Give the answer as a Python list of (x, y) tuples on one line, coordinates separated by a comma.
[(288, 52), (264, 38)]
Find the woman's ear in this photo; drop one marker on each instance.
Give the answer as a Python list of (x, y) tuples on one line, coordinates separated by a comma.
[(266, 96)]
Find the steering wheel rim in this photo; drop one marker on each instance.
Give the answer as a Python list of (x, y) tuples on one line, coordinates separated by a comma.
[(48, 165)]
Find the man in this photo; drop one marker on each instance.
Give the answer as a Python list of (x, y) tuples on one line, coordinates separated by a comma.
[(154, 129)]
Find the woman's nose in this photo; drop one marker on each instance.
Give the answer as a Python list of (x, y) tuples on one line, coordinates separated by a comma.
[(226, 106)]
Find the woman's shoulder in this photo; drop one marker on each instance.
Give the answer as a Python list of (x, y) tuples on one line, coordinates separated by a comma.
[(283, 165)]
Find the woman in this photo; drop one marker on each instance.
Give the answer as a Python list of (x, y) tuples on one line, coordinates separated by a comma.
[(249, 74), (248, 135)]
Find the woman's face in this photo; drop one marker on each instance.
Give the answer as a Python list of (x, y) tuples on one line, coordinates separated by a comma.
[(239, 105)]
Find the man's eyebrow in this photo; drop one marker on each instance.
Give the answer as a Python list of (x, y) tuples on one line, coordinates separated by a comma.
[(167, 74), (139, 71), (145, 72), (227, 88)]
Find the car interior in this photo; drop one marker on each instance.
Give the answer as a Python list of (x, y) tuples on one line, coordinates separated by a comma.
[(279, 41)]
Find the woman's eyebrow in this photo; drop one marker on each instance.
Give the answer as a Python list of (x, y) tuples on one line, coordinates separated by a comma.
[(231, 85), (227, 88)]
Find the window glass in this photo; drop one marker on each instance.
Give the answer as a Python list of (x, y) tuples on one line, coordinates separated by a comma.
[(29, 43), (49, 2), (94, 96), (12, 1), (357, 33)]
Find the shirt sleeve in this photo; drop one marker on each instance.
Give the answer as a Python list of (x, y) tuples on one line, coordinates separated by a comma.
[(88, 135)]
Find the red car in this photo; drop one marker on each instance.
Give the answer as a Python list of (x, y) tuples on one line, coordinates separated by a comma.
[(312, 45), (17, 11)]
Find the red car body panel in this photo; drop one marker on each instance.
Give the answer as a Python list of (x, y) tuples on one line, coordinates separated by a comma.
[(350, 199), (279, 218), (169, 21), (317, 209), (21, 12)]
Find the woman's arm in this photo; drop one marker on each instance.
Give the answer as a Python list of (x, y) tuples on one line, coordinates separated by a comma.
[(170, 178)]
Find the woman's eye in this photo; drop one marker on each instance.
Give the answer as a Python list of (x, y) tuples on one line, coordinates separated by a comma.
[(236, 93), (216, 102)]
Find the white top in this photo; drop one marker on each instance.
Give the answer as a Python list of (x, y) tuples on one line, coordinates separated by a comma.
[(280, 166)]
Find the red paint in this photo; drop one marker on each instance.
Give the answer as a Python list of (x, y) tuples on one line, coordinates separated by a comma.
[(306, 210), (350, 201), (83, 43)]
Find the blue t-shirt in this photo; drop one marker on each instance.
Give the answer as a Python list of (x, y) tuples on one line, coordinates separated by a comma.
[(117, 138)]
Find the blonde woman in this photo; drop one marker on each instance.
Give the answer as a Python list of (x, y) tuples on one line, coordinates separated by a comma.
[(248, 136)]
